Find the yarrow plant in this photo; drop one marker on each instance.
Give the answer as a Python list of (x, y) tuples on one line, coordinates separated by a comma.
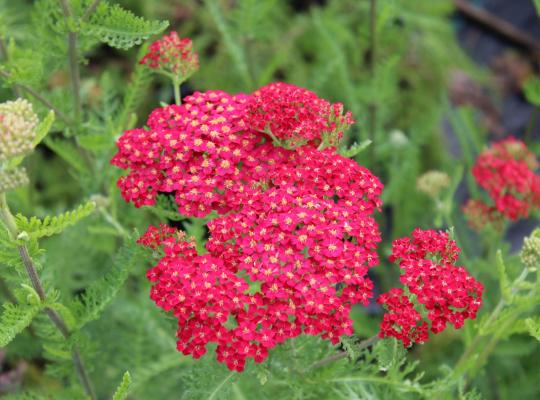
[(292, 234)]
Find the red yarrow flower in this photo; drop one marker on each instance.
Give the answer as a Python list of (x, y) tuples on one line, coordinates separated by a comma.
[(435, 288), (506, 172)]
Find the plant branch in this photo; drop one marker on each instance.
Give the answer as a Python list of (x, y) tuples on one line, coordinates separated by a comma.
[(40, 98), (371, 64), (90, 10), (343, 354), (73, 62), (54, 316)]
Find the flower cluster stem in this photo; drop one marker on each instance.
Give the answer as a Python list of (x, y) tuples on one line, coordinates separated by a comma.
[(176, 87), (343, 354), (54, 316)]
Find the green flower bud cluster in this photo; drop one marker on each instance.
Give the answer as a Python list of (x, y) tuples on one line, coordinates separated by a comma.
[(530, 252), (18, 124), (13, 179), (432, 183)]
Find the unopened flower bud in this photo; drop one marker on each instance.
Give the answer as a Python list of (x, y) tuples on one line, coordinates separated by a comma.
[(13, 179), (18, 124), (432, 183), (530, 252), (398, 139)]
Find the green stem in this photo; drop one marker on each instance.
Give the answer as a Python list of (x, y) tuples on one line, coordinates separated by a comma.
[(176, 87), (343, 354), (90, 10), (73, 62), (56, 319), (371, 64)]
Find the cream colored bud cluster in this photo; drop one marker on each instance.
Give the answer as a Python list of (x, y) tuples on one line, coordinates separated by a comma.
[(530, 252), (18, 124), (13, 179), (432, 183)]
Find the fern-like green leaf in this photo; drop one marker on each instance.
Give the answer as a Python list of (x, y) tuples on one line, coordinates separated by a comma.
[(15, 319), (36, 228), (100, 294), (140, 80), (122, 391), (533, 325), (120, 28)]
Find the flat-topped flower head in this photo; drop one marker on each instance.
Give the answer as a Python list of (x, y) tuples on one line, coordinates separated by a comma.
[(294, 116), (507, 172), (172, 56), (18, 124), (437, 292)]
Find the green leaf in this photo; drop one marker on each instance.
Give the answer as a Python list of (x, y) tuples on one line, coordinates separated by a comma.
[(15, 319), (120, 28), (390, 354), (355, 149), (531, 90), (36, 228), (135, 92), (122, 391), (100, 294), (534, 327), (537, 6)]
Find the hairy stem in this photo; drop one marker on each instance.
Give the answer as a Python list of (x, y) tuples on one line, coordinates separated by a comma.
[(343, 354), (55, 318), (371, 64), (176, 87), (90, 10), (73, 63), (41, 99)]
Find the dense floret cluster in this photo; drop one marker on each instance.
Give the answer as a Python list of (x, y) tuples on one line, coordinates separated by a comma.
[(294, 236), (506, 172), (18, 124), (435, 288)]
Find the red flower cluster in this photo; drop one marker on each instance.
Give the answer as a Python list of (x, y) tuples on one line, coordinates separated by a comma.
[(296, 115), (506, 172), (436, 288), (172, 56), (293, 240)]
